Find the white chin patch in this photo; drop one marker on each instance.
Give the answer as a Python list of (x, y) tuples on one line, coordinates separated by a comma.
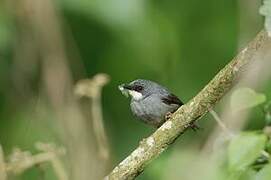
[(135, 95)]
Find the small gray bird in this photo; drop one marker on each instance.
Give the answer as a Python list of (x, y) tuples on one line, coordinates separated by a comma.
[(150, 101)]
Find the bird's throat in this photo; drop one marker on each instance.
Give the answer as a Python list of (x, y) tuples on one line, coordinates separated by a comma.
[(135, 95)]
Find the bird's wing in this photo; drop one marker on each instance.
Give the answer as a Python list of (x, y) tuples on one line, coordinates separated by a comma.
[(171, 99)]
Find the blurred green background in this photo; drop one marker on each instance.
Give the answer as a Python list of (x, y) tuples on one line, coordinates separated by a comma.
[(180, 44)]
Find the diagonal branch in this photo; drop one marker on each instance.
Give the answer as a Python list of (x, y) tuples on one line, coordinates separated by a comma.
[(160, 140)]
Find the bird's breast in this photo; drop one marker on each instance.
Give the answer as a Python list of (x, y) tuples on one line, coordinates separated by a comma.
[(151, 111)]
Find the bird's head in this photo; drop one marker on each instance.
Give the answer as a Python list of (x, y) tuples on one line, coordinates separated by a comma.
[(139, 89)]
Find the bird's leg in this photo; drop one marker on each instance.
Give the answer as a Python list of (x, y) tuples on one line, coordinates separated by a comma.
[(194, 126)]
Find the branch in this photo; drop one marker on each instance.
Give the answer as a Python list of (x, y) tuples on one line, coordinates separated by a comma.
[(20, 161), (160, 140), (92, 88)]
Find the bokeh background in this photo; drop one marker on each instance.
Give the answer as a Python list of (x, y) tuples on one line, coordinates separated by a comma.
[(47, 46)]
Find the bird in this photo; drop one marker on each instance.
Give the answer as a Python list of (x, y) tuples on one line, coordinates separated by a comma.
[(151, 102)]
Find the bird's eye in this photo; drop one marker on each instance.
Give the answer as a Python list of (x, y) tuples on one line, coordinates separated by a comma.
[(138, 88)]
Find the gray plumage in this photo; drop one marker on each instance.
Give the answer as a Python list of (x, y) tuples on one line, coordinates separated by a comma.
[(150, 101)]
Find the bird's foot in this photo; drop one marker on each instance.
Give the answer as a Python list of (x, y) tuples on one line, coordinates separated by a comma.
[(194, 127), (143, 141), (168, 115)]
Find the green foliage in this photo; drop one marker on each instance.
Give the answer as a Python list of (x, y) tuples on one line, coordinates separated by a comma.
[(5, 30), (177, 163), (268, 146), (265, 10), (244, 149), (117, 12), (267, 110), (244, 98), (248, 152), (239, 159), (264, 174)]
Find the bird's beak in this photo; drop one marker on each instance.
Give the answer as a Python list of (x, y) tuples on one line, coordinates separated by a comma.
[(128, 87), (124, 88), (127, 90)]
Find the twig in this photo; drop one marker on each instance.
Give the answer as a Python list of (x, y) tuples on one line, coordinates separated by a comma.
[(159, 141), (214, 138), (26, 161), (221, 124), (59, 169), (3, 174), (56, 163), (92, 88), (23, 160)]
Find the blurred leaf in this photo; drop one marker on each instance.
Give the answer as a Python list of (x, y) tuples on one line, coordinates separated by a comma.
[(264, 174), (5, 31), (244, 149), (267, 110), (117, 12), (265, 10), (244, 98), (268, 146), (249, 174), (235, 175), (190, 164), (261, 161)]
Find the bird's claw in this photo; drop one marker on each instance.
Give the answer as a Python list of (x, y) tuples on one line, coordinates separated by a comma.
[(168, 115), (194, 127)]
